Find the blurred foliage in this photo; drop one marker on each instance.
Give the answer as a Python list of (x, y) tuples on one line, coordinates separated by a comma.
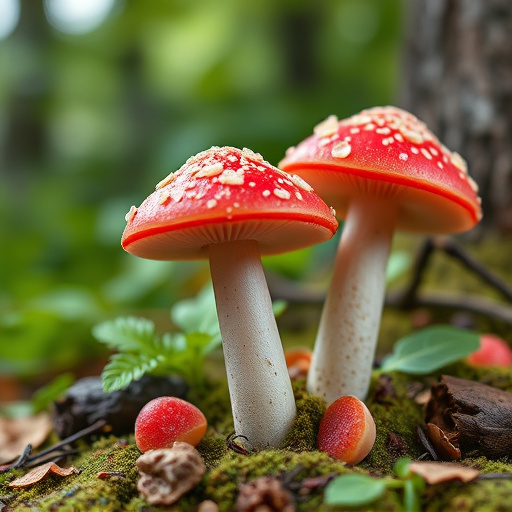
[(90, 122)]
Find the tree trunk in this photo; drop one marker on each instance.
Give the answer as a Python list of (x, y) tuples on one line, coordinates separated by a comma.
[(458, 79)]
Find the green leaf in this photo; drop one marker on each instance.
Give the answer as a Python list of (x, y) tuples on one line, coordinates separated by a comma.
[(52, 391), (399, 262), (279, 307), (198, 314), (402, 468), (354, 490), (411, 499), (122, 369), (126, 334), (430, 349)]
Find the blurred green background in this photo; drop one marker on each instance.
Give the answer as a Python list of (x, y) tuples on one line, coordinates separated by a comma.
[(101, 99)]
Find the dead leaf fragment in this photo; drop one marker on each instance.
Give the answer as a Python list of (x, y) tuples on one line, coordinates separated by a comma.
[(438, 472), (16, 433), (40, 472)]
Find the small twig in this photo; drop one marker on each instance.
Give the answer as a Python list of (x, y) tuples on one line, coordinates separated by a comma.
[(238, 447), (54, 457), (470, 304), (19, 462), (55, 452), (495, 476), (457, 251), (78, 435), (425, 441)]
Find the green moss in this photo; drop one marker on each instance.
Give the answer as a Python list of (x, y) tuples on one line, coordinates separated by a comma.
[(396, 415), (212, 448), (222, 482), (498, 377), (397, 418), (481, 496), (304, 431), (84, 491)]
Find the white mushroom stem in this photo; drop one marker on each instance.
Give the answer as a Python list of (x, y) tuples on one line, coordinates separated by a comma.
[(347, 337), (261, 393)]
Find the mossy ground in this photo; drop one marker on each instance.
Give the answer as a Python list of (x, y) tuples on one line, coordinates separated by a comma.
[(391, 401), (397, 416)]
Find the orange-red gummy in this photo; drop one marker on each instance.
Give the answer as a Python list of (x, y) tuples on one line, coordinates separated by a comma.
[(167, 419), (347, 430)]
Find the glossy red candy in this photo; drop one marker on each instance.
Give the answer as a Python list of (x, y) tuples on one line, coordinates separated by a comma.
[(167, 419), (493, 351), (347, 430)]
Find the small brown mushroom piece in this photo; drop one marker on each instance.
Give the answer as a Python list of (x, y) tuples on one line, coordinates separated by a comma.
[(167, 474)]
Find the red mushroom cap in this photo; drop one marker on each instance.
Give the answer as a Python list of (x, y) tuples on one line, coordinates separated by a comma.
[(388, 153), (225, 194)]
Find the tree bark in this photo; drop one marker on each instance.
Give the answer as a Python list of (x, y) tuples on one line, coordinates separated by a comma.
[(458, 79)]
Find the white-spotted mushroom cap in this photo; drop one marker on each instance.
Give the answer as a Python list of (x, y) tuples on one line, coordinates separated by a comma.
[(225, 194), (387, 152)]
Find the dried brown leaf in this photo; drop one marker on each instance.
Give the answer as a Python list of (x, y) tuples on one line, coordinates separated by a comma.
[(17, 433), (40, 472), (438, 472)]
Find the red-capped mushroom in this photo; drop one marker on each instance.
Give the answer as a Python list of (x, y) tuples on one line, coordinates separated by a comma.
[(381, 170), (229, 205)]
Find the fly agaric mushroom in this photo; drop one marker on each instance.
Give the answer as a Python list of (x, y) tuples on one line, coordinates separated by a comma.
[(231, 206), (381, 170)]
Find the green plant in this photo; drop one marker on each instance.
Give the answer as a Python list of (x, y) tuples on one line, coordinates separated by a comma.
[(430, 349), (141, 350), (355, 490)]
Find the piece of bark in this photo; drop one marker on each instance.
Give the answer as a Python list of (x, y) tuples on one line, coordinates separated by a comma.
[(466, 417)]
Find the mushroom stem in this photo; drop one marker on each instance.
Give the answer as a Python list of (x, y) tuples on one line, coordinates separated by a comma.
[(261, 393), (347, 336)]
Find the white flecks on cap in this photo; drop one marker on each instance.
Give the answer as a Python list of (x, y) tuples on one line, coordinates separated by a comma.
[(230, 177), (249, 153), (131, 214), (210, 170), (211, 203), (301, 183), (426, 153), (266, 193), (403, 156), (176, 195), (163, 197), (168, 179), (289, 151), (327, 127), (341, 149), (473, 184), (282, 193), (459, 162)]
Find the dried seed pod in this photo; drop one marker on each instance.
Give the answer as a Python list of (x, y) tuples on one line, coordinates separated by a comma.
[(167, 474), (85, 402), (265, 494)]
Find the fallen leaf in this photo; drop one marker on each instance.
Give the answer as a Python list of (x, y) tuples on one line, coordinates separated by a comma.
[(40, 472), (17, 433), (438, 472), (443, 446)]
